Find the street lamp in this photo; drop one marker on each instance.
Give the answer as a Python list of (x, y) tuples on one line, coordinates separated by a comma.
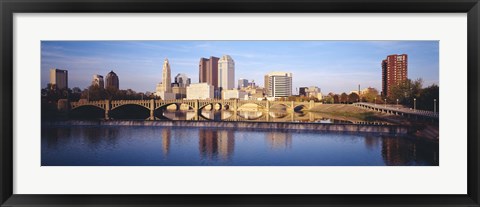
[(397, 103), (375, 101), (385, 103), (414, 104), (434, 105)]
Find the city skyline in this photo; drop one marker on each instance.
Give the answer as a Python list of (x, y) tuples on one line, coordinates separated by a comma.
[(333, 66)]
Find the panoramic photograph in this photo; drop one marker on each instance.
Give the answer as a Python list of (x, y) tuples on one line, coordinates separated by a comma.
[(240, 103)]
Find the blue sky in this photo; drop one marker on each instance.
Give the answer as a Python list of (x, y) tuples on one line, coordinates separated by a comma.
[(334, 66)]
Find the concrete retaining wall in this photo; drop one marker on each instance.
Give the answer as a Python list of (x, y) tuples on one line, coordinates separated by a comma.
[(384, 129)]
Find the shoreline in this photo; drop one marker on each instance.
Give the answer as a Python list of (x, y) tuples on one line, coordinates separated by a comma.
[(320, 127)]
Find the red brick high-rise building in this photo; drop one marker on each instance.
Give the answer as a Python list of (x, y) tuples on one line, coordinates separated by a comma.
[(208, 71), (394, 71)]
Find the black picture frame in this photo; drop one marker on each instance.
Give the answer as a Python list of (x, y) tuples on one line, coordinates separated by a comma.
[(9, 7)]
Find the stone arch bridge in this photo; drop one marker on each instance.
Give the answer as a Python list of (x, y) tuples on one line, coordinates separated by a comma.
[(196, 105)]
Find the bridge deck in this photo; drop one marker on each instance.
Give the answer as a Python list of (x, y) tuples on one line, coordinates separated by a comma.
[(400, 111)]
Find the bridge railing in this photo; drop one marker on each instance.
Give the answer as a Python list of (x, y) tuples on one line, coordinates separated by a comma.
[(402, 110), (129, 101)]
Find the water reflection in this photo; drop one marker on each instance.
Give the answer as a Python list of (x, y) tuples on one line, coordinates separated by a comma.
[(215, 144), (279, 140), (226, 144), (166, 136), (160, 146), (279, 114), (207, 143), (250, 115), (372, 142), (262, 116), (401, 152), (178, 115)]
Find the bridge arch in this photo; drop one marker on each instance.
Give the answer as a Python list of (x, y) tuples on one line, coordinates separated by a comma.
[(208, 115), (217, 106), (166, 105), (226, 107), (300, 107), (280, 105), (277, 115), (130, 111), (184, 106), (88, 111), (245, 105), (175, 115), (75, 107), (206, 106), (251, 115)]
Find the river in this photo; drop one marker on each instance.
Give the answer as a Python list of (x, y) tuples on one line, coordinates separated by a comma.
[(194, 146)]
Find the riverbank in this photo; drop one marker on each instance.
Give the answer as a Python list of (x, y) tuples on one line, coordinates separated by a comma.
[(382, 129), (346, 110), (351, 112), (424, 130)]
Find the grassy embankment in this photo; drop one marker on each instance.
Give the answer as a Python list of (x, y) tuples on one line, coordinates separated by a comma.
[(347, 111)]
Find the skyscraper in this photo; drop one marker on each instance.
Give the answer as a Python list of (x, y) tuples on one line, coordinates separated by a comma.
[(394, 72), (164, 89), (278, 84), (98, 81), (59, 78), (112, 81), (208, 71), (182, 79), (226, 73), (166, 77)]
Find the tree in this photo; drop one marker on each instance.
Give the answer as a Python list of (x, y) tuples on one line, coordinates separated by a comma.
[(50, 96), (429, 97), (343, 97), (291, 98), (76, 90), (353, 97), (111, 93), (336, 98), (51, 93), (370, 95), (328, 99), (96, 93), (406, 91)]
